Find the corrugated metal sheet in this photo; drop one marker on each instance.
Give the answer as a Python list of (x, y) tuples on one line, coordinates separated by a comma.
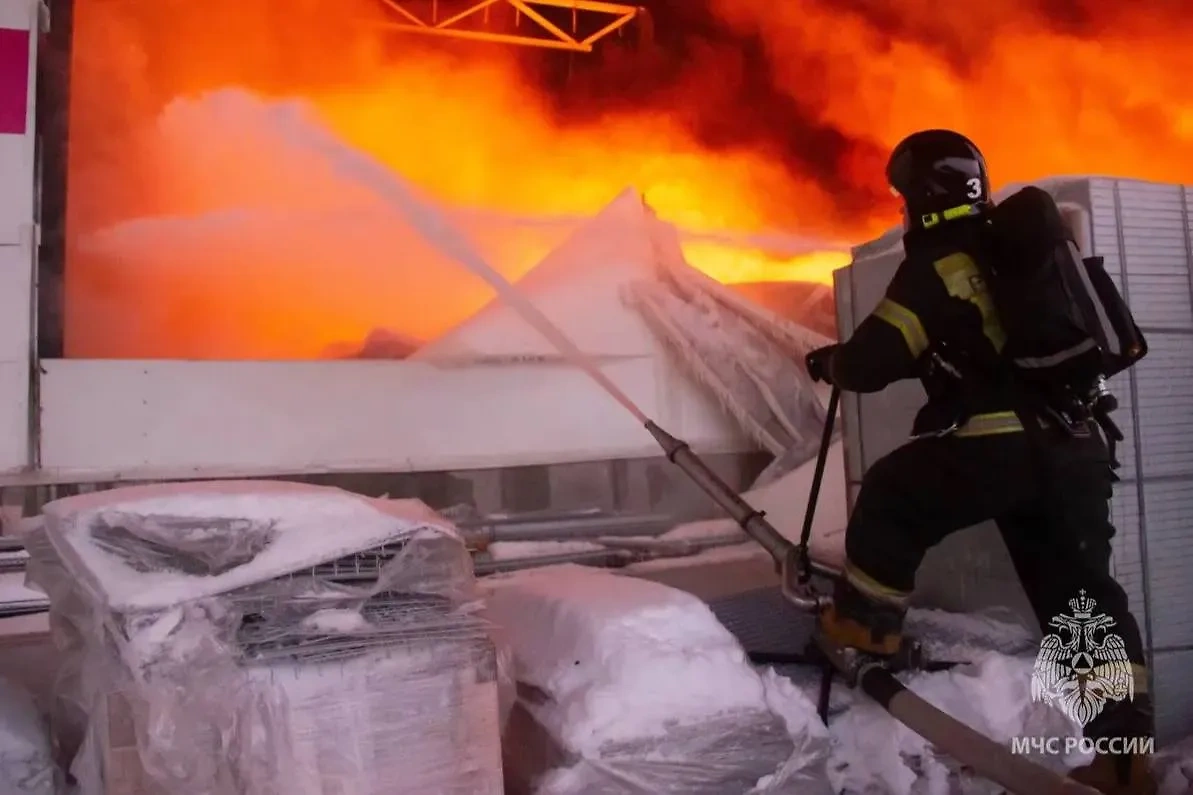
[(1167, 505), (1164, 382), (1144, 231), (1152, 228), (1173, 676)]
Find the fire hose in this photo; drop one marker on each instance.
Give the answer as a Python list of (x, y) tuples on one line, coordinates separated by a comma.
[(986, 757)]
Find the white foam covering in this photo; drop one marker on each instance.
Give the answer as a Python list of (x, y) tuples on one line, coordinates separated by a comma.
[(311, 525), (748, 357), (204, 654), (874, 753), (515, 550), (647, 692)]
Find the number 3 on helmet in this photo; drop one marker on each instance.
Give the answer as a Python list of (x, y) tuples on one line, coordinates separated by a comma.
[(939, 173)]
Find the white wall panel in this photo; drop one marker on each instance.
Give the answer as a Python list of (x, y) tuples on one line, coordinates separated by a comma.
[(16, 299), (18, 24), (16, 150), (14, 416), (131, 419)]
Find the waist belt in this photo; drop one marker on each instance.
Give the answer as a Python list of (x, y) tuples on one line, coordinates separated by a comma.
[(988, 424)]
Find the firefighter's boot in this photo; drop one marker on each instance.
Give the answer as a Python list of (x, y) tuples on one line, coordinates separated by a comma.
[(1133, 720), (1118, 774), (863, 621)]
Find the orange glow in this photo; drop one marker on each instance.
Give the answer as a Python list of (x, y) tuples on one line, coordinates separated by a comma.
[(197, 233), (1111, 97)]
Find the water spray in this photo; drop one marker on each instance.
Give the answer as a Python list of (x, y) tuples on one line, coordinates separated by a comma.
[(988, 758), (790, 560)]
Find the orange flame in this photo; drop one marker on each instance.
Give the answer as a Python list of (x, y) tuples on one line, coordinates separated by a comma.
[(196, 233)]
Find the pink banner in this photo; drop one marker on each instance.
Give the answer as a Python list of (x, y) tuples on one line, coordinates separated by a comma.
[(14, 80)]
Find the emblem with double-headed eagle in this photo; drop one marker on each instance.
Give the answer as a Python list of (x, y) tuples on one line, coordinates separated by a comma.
[(1082, 665)]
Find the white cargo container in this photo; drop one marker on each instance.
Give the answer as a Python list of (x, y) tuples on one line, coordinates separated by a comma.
[(1145, 233)]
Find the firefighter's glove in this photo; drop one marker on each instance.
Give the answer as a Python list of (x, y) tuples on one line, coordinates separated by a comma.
[(819, 363)]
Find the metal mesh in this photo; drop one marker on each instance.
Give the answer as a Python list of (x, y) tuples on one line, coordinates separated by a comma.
[(274, 631), (273, 621), (763, 621), (359, 569)]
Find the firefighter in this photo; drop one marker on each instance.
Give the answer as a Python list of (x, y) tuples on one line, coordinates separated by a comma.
[(970, 458)]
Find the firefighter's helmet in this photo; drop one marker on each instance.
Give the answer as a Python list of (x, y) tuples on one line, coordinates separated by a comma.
[(940, 175)]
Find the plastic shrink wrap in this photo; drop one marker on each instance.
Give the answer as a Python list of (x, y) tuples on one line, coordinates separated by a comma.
[(628, 687), (26, 764), (743, 752), (253, 638)]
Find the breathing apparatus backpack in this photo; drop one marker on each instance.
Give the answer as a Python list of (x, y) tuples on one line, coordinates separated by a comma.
[(1067, 326)]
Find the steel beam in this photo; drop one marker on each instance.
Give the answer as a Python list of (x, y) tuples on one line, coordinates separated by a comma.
[(547, 34)]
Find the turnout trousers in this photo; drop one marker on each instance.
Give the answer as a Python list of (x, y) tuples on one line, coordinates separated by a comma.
[(1050, 500)]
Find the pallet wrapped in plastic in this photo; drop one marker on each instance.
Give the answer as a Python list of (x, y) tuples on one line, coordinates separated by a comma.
[(628, 687), (245, 639)]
